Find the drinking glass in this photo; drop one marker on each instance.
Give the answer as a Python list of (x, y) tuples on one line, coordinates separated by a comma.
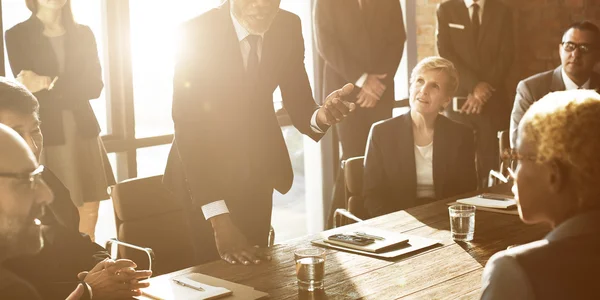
[(310, 268), (462, 222)]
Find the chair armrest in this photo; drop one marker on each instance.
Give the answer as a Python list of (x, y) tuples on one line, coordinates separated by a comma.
[(113, 254), (341, 212)]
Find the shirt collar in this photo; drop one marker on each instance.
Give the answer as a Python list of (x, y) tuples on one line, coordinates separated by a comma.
[(570, 85), (582, 224), (481, 3), (240, 31)]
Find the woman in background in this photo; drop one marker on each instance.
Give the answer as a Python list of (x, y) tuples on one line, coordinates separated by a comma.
[(420, 156), (57, 60)]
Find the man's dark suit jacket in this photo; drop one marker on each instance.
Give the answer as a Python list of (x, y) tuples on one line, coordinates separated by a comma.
[(224, 120), (353, 41), (533, 89), (29, 49), (53, 271), (488, 59), (390, 176)]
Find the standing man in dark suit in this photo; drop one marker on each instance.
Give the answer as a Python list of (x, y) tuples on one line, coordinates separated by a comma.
[(229, 154), (579, 52), (477, 36), (360, 41)]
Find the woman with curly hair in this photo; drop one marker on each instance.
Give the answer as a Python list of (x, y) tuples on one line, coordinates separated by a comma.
[(557, 182)]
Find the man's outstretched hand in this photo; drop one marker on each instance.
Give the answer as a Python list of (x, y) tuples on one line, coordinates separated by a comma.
[(335, 108)]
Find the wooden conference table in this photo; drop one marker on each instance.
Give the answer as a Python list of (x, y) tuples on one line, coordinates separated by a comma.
[(449, 271)]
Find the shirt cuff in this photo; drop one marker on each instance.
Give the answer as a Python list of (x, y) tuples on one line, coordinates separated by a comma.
[(214, 209), (361, 80), (313, 123)]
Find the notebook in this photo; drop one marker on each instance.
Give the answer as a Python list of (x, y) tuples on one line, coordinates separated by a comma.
[(214, 288), (489, 203), (383, 240), (414, 244)]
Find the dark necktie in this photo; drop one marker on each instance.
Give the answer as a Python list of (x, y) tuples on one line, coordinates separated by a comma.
[(475, 21), (252, 64)]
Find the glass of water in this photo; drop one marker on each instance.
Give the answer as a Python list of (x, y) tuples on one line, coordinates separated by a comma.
[(462, 222), (310, 268)]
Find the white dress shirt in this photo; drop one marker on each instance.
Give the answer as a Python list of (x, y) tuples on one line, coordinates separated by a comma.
[(570, 85), (219, 207), (424, 166), (469, 4)]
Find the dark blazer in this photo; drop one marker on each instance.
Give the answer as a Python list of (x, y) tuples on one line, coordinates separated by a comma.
[(53, 271), (390, 180), (224, 120), (354, 41), (61, 211), (563, 265), (29, 49), (489, 58), (533, 89)]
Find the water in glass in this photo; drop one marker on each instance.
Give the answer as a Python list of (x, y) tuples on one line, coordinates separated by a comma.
[(310, 272), (462, 222)]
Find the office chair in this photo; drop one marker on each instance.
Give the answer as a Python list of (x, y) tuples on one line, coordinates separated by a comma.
[(506, 160), (151, 226), (353, 179)]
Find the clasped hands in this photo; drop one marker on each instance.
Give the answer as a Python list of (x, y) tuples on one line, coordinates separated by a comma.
[(34, 82), (475, 101), (118, 279), (372, 91)]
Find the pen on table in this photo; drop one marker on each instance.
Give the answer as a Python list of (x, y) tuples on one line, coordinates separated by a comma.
[(197, 288), (362, 234)]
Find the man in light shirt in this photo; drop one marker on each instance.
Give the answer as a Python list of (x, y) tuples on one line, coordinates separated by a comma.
[(579, 53), (229, 153)]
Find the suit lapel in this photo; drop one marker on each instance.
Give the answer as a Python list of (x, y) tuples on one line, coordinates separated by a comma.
[(230, 50), (557, 83), (488, 14), (406, 149), (462, 12), (595, 82), (440, 155)]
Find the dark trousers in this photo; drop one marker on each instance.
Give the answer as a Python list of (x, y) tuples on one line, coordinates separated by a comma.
[(486, 141), (353, 133), (250, 210)]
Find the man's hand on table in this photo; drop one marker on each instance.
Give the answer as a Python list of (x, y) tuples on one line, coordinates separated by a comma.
[(232, 244)]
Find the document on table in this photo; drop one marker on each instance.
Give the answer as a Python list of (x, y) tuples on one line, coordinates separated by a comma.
[(196, 286)]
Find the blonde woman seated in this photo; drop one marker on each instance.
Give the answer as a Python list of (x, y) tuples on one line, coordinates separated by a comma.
[(557, 183), (420, 156)]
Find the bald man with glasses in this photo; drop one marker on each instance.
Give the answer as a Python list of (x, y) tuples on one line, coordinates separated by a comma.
[(579, 52)]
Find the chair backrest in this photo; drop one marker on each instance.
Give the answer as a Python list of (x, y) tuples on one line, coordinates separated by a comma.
[(353, 177), (147, 215)]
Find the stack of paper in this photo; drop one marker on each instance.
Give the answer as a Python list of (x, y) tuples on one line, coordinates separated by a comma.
[(195, 286), (489, 203)]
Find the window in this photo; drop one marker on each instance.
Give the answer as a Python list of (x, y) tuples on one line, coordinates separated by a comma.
[(152, 161), (153, 28), (87, 12)]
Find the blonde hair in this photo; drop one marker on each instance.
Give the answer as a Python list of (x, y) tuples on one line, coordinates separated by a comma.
[(565, 127), (441, 64)]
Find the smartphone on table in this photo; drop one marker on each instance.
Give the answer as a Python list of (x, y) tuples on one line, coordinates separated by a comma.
[(351, 239)]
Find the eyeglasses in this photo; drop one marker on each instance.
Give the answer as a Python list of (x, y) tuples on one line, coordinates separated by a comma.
[(33, 178), (583, 48), (513, 155)]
